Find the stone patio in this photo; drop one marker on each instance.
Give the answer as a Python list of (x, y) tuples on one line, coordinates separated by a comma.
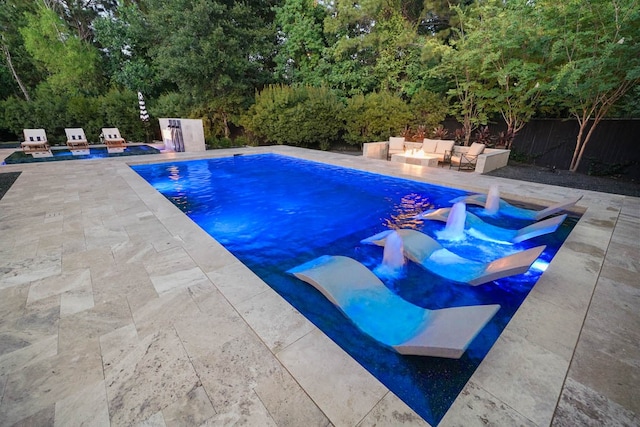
[(116, 309)]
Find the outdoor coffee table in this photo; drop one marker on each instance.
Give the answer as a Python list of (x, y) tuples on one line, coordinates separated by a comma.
[(421, 160)]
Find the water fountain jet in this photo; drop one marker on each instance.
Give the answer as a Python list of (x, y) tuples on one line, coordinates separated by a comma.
[(492, 204), (393, 254), (454, 230)]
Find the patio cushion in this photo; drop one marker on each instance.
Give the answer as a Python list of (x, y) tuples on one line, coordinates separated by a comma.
[(396, 143), (444, 145), (429, 145), (475, 149)]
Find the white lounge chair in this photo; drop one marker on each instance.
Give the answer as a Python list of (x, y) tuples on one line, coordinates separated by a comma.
[(113, 140), (487, 231), (389, 319), (431, 255), (77, 141), (35, 143), (468, 160), (513, 211)]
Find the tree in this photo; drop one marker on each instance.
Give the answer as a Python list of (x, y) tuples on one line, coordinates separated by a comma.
[(395, 40), (12, 68), (438, 17), (375, 117), (125, 39), (371, 45), (596, 58), (15, 62), (511, 49), (461, 63), (70, 63), (211, 49), (302, 45), (429, 109), (80, 15)]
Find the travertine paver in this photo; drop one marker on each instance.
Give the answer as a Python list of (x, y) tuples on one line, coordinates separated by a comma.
[(116, 309)]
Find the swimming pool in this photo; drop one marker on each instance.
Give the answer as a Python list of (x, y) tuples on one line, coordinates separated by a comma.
[(65, 154), (274, 212)]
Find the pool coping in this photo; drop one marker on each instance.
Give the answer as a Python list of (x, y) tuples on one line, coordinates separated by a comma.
[(527, 375)]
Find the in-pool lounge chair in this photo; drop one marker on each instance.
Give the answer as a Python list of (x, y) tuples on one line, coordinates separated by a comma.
[(389, 319), (77, 141), (430, 254), (35, 143), (112, 139), (477, 227), (505, 208)]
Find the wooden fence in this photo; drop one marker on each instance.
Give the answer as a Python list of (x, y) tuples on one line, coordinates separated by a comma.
[(614, 148)]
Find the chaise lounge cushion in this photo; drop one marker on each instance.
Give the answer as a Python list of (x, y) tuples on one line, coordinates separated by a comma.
[(35, 143), (396, 143), (438, 146), (445, 145), (475, 149)]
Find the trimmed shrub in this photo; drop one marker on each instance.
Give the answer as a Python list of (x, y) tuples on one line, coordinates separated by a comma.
[(54, 112), (375, 117), (303, 116)]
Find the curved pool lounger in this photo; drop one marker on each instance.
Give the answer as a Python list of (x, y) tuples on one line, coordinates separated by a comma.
[(427, 252), (491, 232), (389, 319), (516, 212)]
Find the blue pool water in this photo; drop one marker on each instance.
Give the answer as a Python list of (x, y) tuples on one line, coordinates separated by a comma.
[(65, 154), (275, 212)]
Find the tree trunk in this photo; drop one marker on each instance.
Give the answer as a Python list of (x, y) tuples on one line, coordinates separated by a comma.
[(580, 146), (575, 160), (15, 74)]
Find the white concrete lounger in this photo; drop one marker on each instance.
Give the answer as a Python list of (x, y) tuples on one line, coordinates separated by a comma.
[(427, 252), (389, 319), (494, 233), (516, 212)]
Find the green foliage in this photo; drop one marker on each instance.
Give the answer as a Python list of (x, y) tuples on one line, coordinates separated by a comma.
[(371, 47), (304, 116), (54, 112), (218, 115), (461, 64), (511, 76), (119, 108), (19, 75), (210, 49), (429, 109), (14, 113), (375, 117), (81, 63), (71, 63), (126, 40), (172, 104), (595, 56), (300, 27), (213, 143), (84, 112)]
